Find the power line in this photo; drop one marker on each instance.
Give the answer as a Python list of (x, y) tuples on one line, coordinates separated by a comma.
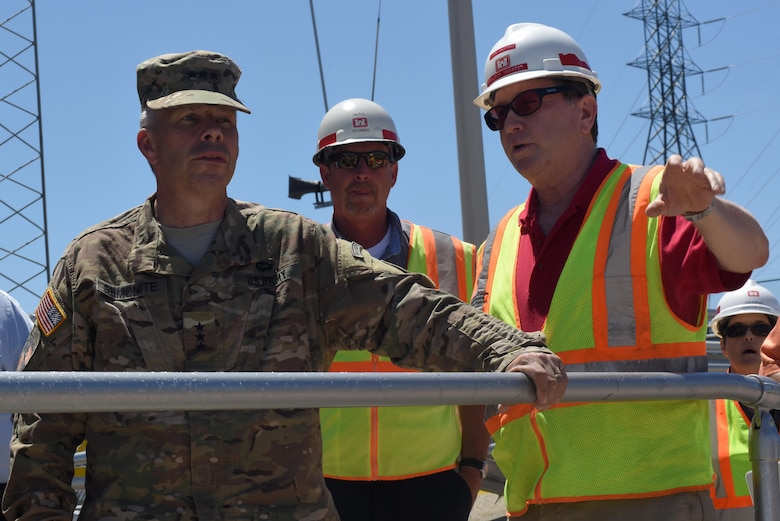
[(319, 57), (376, 50)]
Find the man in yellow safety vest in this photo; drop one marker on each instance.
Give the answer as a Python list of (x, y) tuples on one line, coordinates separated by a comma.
[(393, 462), (613, 262)]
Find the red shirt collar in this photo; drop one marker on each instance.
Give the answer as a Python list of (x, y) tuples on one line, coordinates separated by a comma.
[(601, 166)]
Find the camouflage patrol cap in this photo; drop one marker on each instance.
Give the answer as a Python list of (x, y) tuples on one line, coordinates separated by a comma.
[(187, 78)]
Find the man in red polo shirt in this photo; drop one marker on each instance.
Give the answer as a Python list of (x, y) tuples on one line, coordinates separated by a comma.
[(614, 263)]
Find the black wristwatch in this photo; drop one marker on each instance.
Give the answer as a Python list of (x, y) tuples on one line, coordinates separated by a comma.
[(475, 463)]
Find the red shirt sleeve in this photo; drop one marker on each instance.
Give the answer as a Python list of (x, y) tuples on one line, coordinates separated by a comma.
[(689, 269)]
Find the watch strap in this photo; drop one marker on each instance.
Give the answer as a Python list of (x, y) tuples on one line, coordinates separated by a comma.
[(698, 216), (474, 463)]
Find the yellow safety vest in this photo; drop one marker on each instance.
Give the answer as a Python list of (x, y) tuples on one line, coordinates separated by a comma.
[(390, 443), (730, 428), (608, 313)]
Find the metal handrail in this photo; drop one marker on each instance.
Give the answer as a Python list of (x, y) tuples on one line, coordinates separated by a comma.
[(151, 391)]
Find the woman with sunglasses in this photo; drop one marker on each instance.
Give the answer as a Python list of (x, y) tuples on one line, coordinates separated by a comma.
[(743, 321)]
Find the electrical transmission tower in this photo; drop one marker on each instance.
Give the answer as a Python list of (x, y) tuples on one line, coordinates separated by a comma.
[(667, 65), (24, 254)]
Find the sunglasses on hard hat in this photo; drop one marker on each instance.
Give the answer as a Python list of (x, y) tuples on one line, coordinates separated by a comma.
[(350, 160), (738, 330), (524, 104)]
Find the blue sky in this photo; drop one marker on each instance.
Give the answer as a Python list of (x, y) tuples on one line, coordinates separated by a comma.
[(88, 50)]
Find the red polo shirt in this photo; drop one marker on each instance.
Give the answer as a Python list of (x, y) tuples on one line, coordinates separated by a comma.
[(688, 268)]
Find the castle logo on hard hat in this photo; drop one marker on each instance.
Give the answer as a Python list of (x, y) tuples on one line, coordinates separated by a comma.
[(502, 63), (504, 67), (361, 122), (752, 293)]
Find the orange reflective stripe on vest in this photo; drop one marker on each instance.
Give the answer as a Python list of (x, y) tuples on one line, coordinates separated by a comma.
[(730, 430)]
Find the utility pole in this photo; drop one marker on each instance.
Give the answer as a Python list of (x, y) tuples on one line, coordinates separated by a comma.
[(471, 155)]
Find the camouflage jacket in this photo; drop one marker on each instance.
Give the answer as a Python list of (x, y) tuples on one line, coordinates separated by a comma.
[(274, 292)]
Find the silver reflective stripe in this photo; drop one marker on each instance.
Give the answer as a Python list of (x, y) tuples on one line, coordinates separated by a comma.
[(617, 273), (446, 259), (478, 300)]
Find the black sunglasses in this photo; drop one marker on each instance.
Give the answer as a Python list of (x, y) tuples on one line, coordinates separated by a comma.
[(524, 104), (738, 330), (350, 160)]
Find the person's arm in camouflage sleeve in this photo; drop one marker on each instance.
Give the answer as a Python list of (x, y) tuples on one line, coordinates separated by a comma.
[(379, 307), (42, 447)]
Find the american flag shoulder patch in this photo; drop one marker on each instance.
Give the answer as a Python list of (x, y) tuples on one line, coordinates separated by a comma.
[(49, 313)]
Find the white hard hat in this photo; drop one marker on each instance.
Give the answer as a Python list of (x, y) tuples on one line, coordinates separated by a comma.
[(750, 298), (528, 51), (356, 120)]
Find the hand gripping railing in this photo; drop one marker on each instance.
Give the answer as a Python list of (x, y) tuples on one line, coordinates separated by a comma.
[(112, 392)]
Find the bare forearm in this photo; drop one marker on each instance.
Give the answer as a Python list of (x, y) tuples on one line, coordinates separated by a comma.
[(734, 237), (475, 437)]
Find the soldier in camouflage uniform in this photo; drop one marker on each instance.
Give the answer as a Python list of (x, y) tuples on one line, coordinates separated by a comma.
[(194, 281)]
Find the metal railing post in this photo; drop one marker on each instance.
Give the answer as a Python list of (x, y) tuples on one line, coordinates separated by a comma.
[(764, 445)]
